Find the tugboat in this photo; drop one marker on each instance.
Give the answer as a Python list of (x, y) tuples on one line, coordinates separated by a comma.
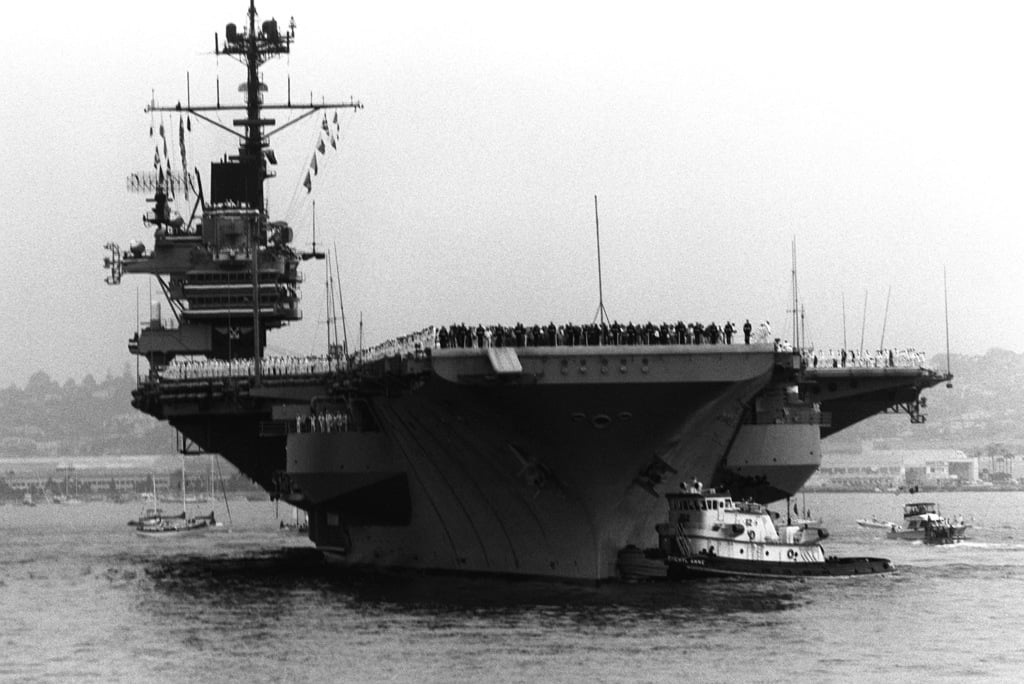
[(709, 534), (923, 522)]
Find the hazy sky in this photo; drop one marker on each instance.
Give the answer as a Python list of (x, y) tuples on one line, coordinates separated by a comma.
[(884, 137)]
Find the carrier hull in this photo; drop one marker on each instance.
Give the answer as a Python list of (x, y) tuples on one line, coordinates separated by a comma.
[(548, 474), (546, 471)]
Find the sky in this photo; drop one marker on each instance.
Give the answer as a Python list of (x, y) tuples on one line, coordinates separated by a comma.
[(883, 138)]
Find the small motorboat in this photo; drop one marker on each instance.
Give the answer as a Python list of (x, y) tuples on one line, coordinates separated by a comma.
[(875, 522), (807, 522), (923, 522), (709, 534)]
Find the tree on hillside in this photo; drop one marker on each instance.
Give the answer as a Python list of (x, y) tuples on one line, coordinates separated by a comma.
[(40, 385)]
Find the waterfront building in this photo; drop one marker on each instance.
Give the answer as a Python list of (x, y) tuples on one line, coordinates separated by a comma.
[(891, 469)]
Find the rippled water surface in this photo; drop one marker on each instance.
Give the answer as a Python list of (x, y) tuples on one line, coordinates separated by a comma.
[(82, 597)]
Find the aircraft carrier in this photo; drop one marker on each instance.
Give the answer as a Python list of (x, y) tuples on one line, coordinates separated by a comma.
[(541, 456)]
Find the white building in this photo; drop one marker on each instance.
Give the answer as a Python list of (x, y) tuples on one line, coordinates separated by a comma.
[(886, 469)]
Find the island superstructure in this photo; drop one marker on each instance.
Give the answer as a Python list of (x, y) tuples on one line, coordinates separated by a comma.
[(540, 456)]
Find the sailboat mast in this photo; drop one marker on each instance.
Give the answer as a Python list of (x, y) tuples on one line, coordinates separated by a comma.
[(341, 300), (183, 483), (332, 311), (329, 301), (945, 302)]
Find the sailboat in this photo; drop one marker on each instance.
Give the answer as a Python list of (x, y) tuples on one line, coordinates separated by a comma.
[(217, 525), (805, 520), (66, 497), (164, 526), (150, 515)]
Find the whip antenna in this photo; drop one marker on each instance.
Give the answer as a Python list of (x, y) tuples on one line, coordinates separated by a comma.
[(601, 313), (844, 321), (796, 303), (885, 318), (863, 322)]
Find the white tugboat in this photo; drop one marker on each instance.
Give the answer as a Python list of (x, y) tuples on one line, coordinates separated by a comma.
[(709, 534)]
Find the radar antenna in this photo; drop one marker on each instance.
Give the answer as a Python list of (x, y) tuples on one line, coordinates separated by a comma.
[(306, 256)]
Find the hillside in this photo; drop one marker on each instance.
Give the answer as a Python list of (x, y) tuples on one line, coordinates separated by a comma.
[(984, 407), (80, 419)]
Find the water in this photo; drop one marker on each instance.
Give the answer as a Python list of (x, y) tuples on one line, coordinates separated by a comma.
[(82, 597)]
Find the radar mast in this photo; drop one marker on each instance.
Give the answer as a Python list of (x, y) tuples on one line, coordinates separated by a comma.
[(230, 274)]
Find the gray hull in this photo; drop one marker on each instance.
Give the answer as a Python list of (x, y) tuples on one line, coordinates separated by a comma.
[(549, 473), (534, 461)]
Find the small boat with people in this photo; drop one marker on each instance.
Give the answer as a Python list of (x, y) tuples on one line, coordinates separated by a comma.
[(708, 534), (923, 522)]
